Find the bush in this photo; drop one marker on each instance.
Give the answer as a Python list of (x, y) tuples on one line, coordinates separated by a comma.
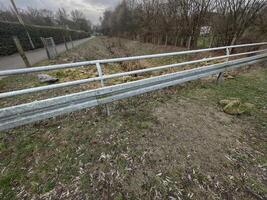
[(9, 29)]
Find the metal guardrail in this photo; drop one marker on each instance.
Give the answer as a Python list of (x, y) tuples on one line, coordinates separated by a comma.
[(38, 110)]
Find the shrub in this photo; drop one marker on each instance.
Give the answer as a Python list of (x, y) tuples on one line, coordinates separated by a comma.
[(9, 29)]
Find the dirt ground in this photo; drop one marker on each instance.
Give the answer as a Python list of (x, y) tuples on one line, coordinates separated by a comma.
[(175, 143)]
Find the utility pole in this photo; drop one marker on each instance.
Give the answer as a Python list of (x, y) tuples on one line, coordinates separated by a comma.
[(22, 23)]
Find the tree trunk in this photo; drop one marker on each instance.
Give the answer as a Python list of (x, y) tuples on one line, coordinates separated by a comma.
[(233, 42), (182, 42), (166, 39), (189, 42), (176, 40), (211, 41)]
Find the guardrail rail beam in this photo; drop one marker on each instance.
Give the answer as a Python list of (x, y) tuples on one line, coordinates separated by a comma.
[(14, 116)]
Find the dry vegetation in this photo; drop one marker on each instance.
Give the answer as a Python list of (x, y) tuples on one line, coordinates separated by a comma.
[(176, 143), (188, 23)]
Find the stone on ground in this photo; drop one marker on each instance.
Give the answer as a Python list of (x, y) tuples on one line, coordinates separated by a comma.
[(44, 78)]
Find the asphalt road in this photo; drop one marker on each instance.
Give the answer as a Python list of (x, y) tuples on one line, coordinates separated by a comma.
[(15, 62)]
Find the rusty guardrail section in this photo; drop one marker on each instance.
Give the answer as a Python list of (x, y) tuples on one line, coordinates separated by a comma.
[(14, 116)]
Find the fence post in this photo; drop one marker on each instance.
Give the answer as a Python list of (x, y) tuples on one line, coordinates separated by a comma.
[(72, 44), (65, 42), (50, 47), (100, 74), (54, 45), (220, 76), (21, 51), (45, 46), (22, 23)]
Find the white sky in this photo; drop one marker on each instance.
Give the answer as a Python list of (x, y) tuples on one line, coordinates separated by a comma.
[(92, 9)]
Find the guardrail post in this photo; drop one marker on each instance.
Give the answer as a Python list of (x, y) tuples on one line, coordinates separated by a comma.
[(100, 74), (220, 76)]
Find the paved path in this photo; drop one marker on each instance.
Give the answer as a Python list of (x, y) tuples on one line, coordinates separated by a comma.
[(15, 62)]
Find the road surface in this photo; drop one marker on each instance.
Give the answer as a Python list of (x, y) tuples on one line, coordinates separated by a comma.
[(15, 62)]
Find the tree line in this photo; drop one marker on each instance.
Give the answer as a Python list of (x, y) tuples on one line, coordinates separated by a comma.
[(184, 22), (44, 17)]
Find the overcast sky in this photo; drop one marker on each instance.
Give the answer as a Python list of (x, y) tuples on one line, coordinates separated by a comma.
[(93, 9)]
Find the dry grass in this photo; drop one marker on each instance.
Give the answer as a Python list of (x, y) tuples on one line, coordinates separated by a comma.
[(175, 143)]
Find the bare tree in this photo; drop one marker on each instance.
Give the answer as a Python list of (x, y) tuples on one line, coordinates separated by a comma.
[(76, 19), (234, 17), (171, 21), (80, 21), (76, 15)]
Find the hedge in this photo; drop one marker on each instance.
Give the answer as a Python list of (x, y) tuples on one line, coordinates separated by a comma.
[(9, 29)]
